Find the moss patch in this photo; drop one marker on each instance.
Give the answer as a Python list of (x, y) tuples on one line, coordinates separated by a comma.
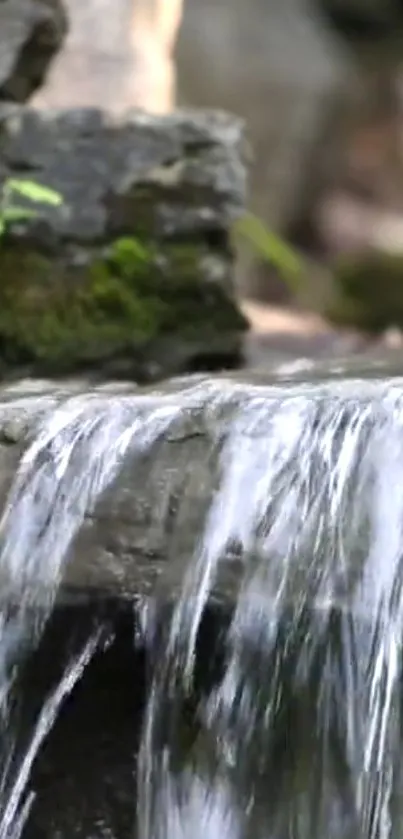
[(63, 315), (368, 292)]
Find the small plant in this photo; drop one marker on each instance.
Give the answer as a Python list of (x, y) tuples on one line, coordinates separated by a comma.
[(271, 248), (11, 210), (128, 251)]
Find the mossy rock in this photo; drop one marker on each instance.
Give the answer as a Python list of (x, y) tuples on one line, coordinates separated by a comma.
[(131, 303), (368, 292)]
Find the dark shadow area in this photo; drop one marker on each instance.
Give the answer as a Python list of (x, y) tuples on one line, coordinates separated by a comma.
[(84, 777)]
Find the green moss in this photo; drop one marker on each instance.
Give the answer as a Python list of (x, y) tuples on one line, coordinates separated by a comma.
[(368, 292), (64, 315)]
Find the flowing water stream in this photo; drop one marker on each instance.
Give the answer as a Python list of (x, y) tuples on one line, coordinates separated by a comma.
[(299, 735)]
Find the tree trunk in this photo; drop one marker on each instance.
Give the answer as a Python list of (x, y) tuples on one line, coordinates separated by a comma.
[(116, 56)]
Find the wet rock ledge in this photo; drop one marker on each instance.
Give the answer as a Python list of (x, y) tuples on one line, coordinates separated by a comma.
[(138, 538)]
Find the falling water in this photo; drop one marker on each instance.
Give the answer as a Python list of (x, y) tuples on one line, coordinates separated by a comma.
[(76, 454), (15, 798), (299, 736), (312, 495)]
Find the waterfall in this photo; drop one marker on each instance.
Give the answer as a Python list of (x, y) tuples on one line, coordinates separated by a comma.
[(77, 452), (299, 735), (312, 494)]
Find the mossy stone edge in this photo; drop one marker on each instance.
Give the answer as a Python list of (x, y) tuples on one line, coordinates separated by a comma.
[(143, 308)]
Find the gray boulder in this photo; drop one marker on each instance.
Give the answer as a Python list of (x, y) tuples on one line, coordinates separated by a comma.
[(31, 33), (133, 273)]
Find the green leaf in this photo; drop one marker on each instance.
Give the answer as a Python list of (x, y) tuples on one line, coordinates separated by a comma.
[(11, 214), (270, 247), (34, 192), (2, 227)]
